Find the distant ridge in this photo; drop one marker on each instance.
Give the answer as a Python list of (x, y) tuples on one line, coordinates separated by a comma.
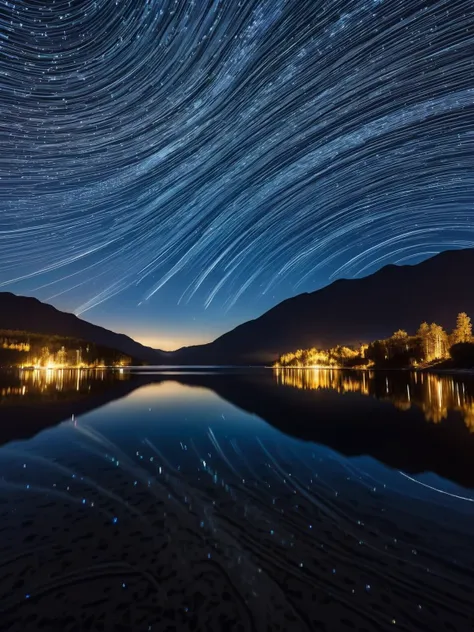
[(350, 311), (23, 313)]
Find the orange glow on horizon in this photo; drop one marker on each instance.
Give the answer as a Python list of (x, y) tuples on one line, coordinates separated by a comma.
[(168, 343)]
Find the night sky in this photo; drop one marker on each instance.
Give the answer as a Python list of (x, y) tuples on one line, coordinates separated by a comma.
[(170, 169)]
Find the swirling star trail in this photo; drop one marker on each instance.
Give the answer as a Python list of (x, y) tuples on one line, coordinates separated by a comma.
[(236, 152)]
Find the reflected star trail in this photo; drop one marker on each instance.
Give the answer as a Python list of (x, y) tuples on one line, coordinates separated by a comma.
[(182, 510), (230, 150)]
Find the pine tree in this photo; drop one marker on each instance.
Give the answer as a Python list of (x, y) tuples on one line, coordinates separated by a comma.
[(463, 330)]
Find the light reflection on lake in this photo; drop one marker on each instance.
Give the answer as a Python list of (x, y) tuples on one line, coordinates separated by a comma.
[(234, 501), (435, 395)]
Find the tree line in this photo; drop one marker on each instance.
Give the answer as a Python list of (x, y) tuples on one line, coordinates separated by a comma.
[(21, 348), (430, 345)]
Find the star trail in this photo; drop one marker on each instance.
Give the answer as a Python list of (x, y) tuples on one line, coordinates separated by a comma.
[(226, 154)]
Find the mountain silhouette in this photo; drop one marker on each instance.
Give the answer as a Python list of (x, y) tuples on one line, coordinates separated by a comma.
[(23, 313), (349, 311)]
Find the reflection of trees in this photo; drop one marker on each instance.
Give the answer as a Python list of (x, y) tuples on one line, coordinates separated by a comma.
[(46, 383), (435, 395), (328, 379)]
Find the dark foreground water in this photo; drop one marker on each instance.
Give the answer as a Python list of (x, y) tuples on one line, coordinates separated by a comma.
[(258, 500)]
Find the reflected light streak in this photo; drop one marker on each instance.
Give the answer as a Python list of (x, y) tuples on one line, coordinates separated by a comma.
[(435, 489), (435, 395)]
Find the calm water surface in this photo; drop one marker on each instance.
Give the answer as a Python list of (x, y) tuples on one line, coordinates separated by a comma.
[(236, 500)]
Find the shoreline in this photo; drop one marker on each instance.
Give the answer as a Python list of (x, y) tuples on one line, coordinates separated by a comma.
[(379, 369), (215, 367)]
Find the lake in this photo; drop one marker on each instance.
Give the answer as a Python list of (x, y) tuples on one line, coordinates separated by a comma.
[(203, 499)]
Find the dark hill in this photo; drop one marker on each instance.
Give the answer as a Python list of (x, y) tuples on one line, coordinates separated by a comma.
[(349, 312), (23, 313)]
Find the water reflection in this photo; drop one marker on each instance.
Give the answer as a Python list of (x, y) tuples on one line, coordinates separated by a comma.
[(65, 379), (166, 505), (435, 395), (388, 416), (44, 383)]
